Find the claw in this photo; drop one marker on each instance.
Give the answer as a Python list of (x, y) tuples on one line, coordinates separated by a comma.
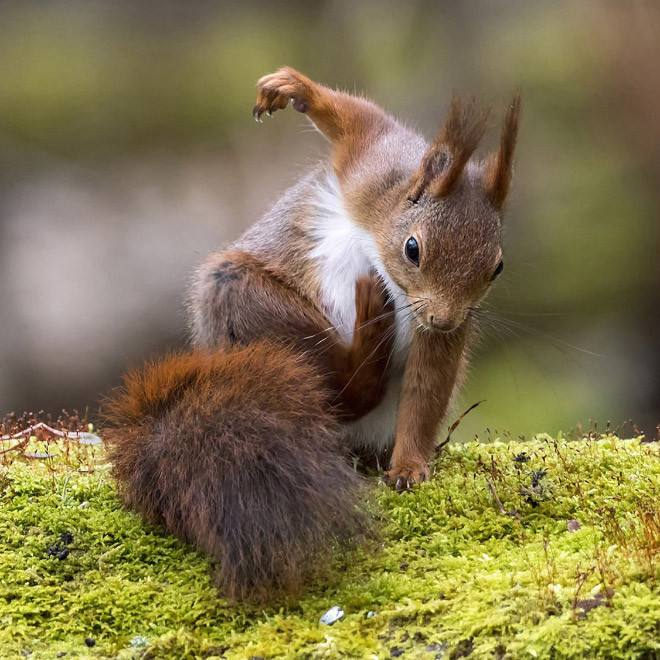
[(405, 479), (257, 111)]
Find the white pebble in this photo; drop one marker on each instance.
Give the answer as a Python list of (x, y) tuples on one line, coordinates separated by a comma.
[(331, 616)]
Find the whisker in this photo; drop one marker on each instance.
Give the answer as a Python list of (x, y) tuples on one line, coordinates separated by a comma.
[(527, 314), (328, 329), (483, 314), (503, 325), (386, 314), (336, 328), (413, 310), (391, 332), (387, 364), (386, 336)]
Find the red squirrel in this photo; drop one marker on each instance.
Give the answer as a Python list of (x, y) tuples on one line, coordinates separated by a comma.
[(340, 322)]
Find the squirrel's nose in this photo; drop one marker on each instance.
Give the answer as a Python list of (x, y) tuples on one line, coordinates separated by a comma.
[(444, 325)]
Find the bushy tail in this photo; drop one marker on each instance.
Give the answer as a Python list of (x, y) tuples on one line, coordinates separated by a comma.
[(236, 452)]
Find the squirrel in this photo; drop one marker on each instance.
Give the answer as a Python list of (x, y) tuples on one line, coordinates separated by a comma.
[(339, 323)]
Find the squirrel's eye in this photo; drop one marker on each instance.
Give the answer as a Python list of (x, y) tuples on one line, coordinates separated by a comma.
[(498, 270), (412, 250)]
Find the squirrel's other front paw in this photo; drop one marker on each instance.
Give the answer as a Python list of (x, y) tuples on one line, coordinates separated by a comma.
[(404, 477), (277, 89)]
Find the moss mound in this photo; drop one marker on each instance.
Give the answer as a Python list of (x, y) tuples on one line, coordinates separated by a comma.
[(541, 549)]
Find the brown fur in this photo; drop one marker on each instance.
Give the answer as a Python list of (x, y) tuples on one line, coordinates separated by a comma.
[(239, 447), (349, 122), (499, 167), (236, 452), (236, 449), (256, 301), (443, 164), (393, 185), (425, 396), (461, 134)]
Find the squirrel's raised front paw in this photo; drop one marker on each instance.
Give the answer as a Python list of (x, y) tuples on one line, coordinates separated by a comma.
[(373, 307), (277, 89), (404, 477)]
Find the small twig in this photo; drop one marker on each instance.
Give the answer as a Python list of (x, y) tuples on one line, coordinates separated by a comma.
[(19, 445), (498, 501), (493, 492), (41, 425), (581, 578), (454, 426), (83, 437)]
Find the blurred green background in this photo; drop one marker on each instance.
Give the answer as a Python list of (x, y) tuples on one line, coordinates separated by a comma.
[(128, 152)]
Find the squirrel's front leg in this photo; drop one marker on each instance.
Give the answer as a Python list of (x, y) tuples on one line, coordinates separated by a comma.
[(350, 123), (432, 371)]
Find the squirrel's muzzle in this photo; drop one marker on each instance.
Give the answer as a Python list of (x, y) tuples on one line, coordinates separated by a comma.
[(442, 325), (442, 317)]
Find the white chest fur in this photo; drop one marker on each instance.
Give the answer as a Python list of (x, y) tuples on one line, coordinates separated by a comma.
[(341, 260), (343, 252)]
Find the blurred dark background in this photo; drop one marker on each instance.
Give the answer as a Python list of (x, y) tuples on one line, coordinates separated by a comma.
[(128, 151)]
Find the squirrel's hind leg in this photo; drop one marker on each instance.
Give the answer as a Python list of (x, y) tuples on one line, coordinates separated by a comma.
[(237, 300)]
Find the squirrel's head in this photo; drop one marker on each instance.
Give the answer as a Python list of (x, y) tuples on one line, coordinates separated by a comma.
[(444, 243)]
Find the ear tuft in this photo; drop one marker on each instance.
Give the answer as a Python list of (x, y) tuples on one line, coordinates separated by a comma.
[(463, 129), (497, 177), (445, 160)]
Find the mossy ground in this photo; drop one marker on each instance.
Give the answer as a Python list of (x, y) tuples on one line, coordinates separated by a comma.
[(454, 576)]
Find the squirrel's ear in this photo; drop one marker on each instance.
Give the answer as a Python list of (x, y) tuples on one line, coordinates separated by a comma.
[(433, 163), (445, 160), (499, 166)]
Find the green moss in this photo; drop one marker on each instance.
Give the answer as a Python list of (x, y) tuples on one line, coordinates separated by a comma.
[(454, 576)]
